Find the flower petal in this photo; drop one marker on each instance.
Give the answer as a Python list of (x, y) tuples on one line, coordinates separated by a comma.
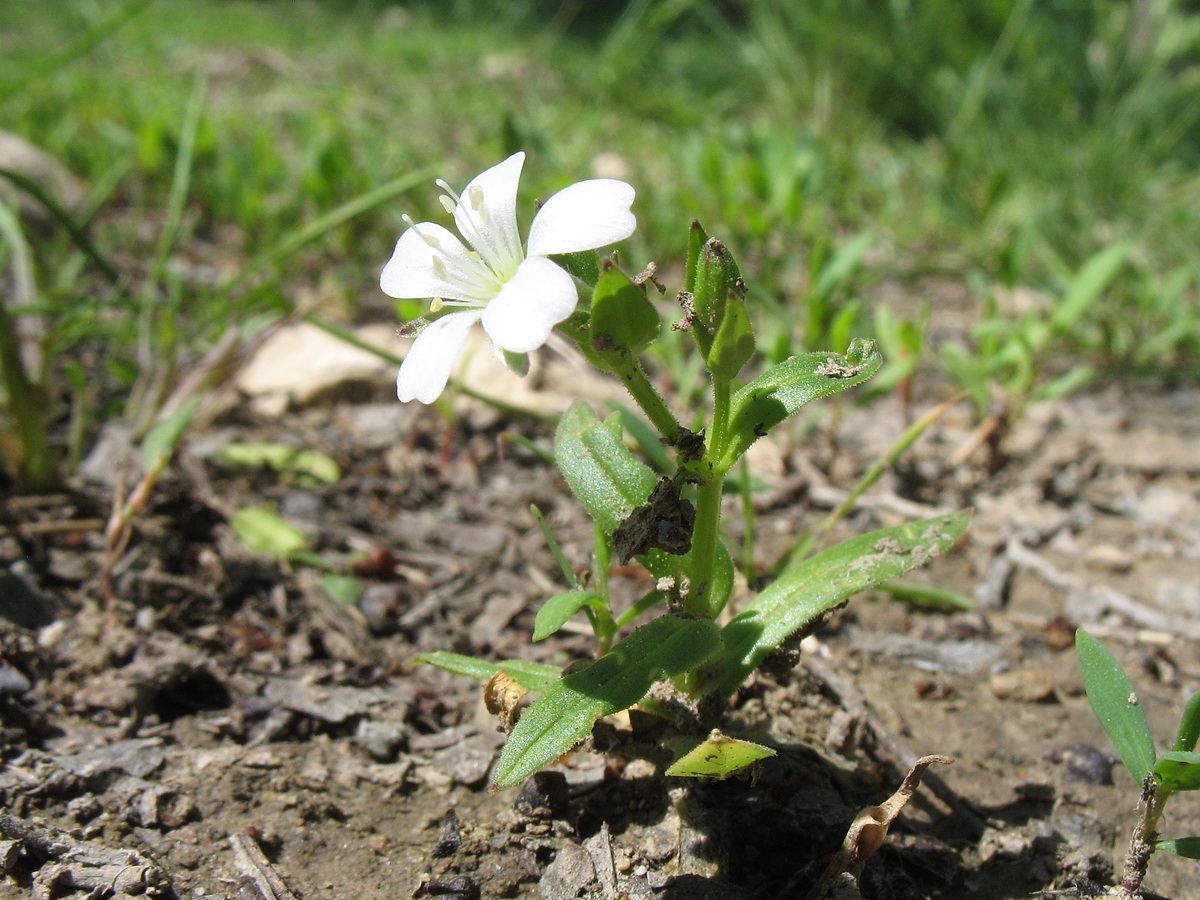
[(486, 215), (430, 261), (426, 367), (583, 216), (531, 303)]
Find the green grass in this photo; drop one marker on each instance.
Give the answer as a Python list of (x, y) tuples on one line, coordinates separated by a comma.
[(996, 144)]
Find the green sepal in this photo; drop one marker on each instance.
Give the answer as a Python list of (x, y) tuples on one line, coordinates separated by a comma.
[(1178, 771), (696, 240), (733, 344), (783, 389), (1115, 704), (564, 715), (517, 363), (584, 265), (556, 611), (716, 276), (623, 321), (823, 581), (718, 756), (530, 675), (1188, 847)]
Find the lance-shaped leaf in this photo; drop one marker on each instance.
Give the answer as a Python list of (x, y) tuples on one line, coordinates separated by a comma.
[(783, 389), (1188, 846), (1189, 725), (609, 481), (1116, 705), (558, 609), (822, 582), (531, 675), (1179, 771), (564, 715)]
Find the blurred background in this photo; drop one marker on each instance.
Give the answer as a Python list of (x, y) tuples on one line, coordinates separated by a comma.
[(1005, 193)]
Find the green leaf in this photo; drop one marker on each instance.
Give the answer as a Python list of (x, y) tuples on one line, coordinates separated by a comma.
[(283, 459), (1179, 771), (1188, 847), (1189, 725), (159, 443), (558, 609), (623, 321), (564, 715), (1115, 704), (718, 757), (530, 675), (607, 478), (780, 391), (926, 595), (643, 432), (1092, 278), (822, 582), (733, 344), (344, 590), (264, 532)]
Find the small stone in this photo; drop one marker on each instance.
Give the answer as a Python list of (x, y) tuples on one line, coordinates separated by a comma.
[(1085, 764), (1110, 557), (12, 682), (382, 605), (451, 838), (543, 796), (463, 887), (570, 873), (1024, 685), (22, 603), (379, 739)]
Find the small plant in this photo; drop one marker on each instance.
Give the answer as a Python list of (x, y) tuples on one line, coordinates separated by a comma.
[(521, 291), (1116, 705)]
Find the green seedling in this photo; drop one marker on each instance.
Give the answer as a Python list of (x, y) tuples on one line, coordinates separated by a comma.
[(1115, 703), (1010, 363), (266, 532), (668, 520)]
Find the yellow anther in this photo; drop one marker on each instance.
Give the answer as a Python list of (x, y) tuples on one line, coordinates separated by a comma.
[(436, 305), (447, 203)]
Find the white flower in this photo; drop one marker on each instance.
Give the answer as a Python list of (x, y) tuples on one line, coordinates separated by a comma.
[(517, 293)]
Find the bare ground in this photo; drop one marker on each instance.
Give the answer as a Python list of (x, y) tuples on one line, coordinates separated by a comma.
[(223, 720)]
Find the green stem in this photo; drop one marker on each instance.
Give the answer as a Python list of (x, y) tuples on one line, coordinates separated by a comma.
[(707, 532), (1142, 842), (704, 543), (633, 376), (651, 403)]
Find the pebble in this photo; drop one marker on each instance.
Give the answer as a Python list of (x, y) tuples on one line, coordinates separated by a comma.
[(379, 739), (1024, 685), (543, 796), (1085, 764), (13, 682)]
